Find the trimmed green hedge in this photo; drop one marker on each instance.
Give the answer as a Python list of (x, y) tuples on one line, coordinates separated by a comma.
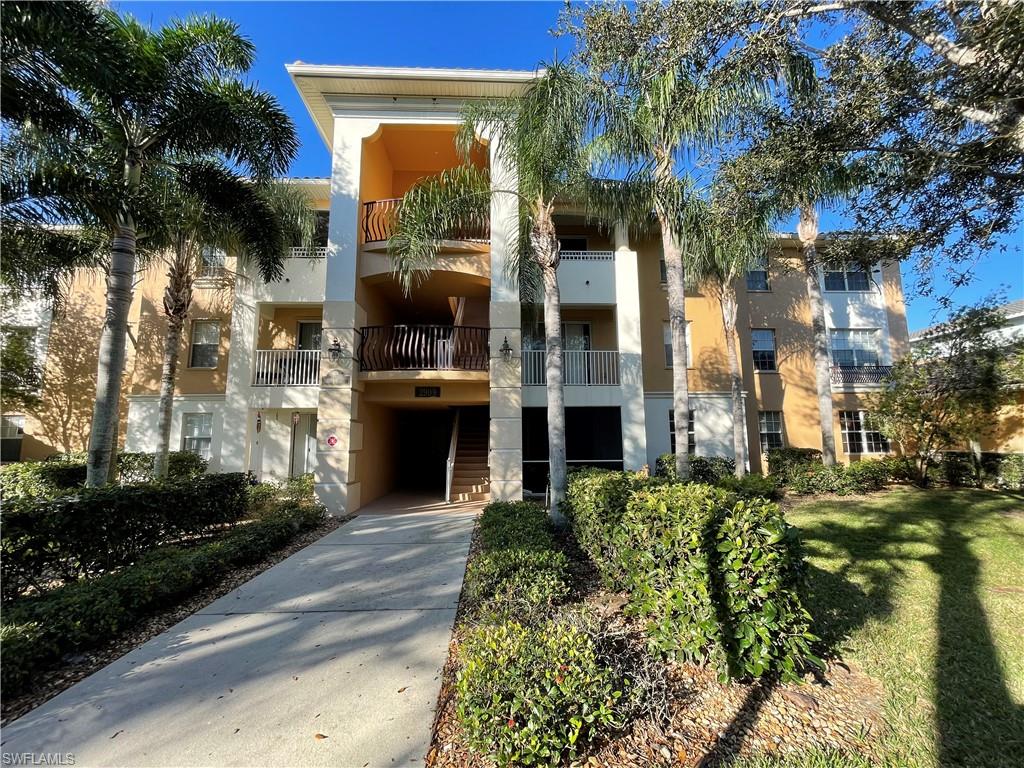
[(962, 469), (784, 463), (841, 479), (703, 469), (138, 467), (534, 694), (717, 580), (99, 529), (38, 630)]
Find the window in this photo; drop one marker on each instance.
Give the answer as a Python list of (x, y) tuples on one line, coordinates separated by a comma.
[(572, 244), (860, 435), (763, 344), (662, 271), (205, 344), (197, 433), (12, 426), (757, 278), (691, 435), (846, 277), (770, 426), (211, 261), (666, 330), (855, 346)]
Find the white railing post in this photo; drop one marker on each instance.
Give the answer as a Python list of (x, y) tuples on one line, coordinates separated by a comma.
[(450, 469), (286, 368)]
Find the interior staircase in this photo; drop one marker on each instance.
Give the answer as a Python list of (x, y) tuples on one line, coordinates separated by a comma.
[(470, 476)]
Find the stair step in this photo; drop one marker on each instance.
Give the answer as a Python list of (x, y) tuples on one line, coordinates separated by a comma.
[(471, 497)]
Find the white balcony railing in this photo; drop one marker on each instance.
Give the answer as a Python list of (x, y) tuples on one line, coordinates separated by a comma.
[(312, 252), (588, 255), (580, 367), (286, 368)]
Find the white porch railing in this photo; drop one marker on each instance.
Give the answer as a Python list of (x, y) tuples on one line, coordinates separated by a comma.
[(286, 368), (588, 255), (580, 367), (312, 252)]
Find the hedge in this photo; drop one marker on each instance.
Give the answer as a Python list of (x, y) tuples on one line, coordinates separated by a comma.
[(64, 473), (717, 580), (783, 463), (38, 630), (534, 695), (859, 477), (518, 572), (98, 529), (963, 469), (703, 469)]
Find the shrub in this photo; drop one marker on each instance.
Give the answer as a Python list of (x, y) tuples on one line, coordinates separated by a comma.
[(1011, 472), (867, 475), (516, 582), (515, 525), (784, 463), (595, 502), (533, 695), (261, 497), (39, 479), (859, 477), (716, 580), (98, 529), (135, 468), (703, 469), (898, 468), (751, 486), (38, 630)]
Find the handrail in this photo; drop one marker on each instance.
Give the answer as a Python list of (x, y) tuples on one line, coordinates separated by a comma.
[(423, 347), (580, 367), (587, 255), (858, 374), (307, 252), (452, 447), (286, 368), (379, 218)]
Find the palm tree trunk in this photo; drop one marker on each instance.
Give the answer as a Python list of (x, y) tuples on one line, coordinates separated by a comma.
[(111, 355), (546, 252), (739, 425), (675, 277), (177, 302), (807, 229)]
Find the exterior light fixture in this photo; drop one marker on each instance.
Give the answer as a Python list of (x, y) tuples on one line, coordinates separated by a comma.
[(334, 350), (506, 351)]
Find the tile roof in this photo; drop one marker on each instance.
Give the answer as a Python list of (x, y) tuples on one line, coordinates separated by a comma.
[(1010, 309)]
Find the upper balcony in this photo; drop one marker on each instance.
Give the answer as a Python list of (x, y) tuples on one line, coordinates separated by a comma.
[(855, 376), (413, 348), (378, 219)]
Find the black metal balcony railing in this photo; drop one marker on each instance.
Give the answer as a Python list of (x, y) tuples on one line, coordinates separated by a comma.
[(379, 217), (852, 374), (423, 347)]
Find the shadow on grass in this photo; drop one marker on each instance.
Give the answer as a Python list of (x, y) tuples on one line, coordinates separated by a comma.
[(876, 541)]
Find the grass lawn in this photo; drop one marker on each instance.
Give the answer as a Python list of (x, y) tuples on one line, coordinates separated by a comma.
[(925, 591)]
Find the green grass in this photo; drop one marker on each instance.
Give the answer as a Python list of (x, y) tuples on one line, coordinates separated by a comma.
[(924, 590)]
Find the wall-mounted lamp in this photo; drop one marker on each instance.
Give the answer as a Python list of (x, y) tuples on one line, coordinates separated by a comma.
[(506, 351), (334, 351)]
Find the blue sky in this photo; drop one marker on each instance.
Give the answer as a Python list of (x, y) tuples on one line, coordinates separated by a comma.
[(450, 34)]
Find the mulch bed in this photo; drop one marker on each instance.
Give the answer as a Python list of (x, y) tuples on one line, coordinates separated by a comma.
[(709, 722), (80, 666)]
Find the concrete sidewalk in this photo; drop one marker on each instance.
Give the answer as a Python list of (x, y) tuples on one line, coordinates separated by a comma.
[(331, 657)]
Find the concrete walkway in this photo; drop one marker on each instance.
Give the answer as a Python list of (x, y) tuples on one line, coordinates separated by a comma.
[(331, 657)]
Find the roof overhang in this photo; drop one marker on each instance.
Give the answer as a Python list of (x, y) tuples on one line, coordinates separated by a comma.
[(322, 87)]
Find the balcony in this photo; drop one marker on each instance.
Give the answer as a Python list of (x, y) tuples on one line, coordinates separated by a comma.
[(847, 375), (311, 252), (580, 367), (379, 216), (423, 348), (286, 368)]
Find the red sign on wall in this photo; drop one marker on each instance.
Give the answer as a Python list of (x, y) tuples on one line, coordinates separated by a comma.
[(332, 440)]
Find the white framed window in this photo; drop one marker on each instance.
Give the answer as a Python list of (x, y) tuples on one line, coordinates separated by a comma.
[(855, 347), (205, 349), (860, 435), (762, 342), (769, 425), (212, 261), (691, 434), (757, 278), (12, 426), (197, 433), (666, 331), (847, 277)]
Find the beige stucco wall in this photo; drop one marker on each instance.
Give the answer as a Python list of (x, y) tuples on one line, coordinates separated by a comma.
[(280, 329)]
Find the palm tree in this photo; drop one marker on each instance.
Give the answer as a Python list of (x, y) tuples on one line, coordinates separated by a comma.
[(734, 237), (541, 134), (163, 99), (258, 222)]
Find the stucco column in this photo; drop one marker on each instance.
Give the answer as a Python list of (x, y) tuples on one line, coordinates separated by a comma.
[(237, 426), (505, 445), (337, 438), (631, 375)]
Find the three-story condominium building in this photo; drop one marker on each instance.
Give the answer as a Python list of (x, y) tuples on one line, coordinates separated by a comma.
[(334, 370)]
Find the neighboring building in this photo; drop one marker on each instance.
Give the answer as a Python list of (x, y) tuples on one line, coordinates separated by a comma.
[(332, 370), (1007, 433)]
